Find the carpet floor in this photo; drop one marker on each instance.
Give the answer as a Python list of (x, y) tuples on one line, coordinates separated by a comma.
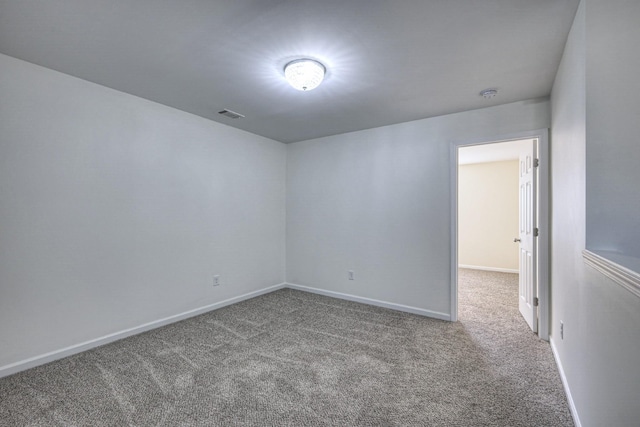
[(291, 358)]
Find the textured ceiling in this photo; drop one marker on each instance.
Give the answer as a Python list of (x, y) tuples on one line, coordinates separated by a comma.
[(387, 62)]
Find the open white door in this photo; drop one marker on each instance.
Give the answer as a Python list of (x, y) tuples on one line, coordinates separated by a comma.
[(528, 296)]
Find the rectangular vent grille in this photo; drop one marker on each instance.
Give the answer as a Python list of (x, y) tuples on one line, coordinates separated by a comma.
[(230, 114)]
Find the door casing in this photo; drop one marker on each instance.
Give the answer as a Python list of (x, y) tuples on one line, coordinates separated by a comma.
[(543, 277)]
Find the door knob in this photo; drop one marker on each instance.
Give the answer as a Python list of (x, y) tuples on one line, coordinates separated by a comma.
[(516, 240)]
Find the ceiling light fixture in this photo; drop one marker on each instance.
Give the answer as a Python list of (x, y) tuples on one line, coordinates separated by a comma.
[(489, 93), (304, 74)]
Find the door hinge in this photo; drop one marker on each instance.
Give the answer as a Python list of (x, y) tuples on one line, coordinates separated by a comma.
[(535, 302), (536, 232), (536, 163)]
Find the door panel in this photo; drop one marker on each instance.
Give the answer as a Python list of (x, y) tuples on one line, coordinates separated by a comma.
[(528, 207)]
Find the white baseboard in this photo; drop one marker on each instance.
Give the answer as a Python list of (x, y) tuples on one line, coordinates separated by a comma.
[(369, 301), (87, 345), (480, 267), (565, 384), (78, 348)]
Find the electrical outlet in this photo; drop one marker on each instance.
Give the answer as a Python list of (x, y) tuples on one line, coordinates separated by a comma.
[(561, 330), (351, 275), (216, 280)]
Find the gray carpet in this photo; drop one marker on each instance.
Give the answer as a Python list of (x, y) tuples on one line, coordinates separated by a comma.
[(291, 358)]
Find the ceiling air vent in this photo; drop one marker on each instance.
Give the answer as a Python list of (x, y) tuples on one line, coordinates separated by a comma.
[(230, 114)]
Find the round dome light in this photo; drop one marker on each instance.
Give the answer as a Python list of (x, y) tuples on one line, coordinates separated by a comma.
[(304, 74)]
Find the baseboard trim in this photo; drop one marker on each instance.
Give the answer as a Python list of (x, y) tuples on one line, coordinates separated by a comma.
[(87, 345), (565, 384), (480, 267), (42, 359), (369, 301)]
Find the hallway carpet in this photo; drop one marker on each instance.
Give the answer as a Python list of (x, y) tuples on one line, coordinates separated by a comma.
[(292, 358)]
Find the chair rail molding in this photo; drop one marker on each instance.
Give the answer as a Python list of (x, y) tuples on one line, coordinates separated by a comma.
[(628, 279)]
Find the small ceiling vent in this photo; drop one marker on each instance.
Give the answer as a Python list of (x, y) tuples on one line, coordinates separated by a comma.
[(231, 114)]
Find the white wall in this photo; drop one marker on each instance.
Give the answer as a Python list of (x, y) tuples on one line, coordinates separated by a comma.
[(378, 202), (116, 211), (613, 129), (488, 215), (600, 350)]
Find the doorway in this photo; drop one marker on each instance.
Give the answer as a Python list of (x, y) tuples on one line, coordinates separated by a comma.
[(506, 239)]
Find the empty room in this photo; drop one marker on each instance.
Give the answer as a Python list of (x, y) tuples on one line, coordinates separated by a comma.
[(263, 213)]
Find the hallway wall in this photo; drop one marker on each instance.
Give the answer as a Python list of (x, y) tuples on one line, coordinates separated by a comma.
[(488, 215)]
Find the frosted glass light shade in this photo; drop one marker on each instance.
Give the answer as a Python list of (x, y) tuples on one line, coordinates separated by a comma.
[(304, 74)]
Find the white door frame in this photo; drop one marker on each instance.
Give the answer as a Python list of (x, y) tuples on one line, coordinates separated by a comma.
[(543, 220)]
